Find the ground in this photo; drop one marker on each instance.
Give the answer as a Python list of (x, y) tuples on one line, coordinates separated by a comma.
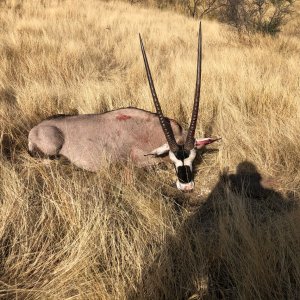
[(67, 233)]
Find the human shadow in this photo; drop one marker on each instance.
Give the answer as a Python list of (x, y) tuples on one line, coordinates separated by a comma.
[(191, 263)]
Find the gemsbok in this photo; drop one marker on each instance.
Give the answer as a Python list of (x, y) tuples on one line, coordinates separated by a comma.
[(124, 134)]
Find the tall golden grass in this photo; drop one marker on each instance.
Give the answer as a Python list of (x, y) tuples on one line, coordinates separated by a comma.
[(70, 234)]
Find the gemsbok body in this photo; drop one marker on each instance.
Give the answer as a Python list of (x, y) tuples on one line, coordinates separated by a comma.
[(124, 134)]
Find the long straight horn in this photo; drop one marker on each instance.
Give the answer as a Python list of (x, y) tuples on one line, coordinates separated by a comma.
[(190, 139), (164, 124)]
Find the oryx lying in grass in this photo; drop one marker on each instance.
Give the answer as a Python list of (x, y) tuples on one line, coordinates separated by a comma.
[(126, 133)]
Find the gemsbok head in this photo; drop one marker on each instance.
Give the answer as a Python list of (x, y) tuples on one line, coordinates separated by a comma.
[(181, 154), (123, 134)]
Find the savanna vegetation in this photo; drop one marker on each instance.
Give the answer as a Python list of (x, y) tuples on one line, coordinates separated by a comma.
[(264, 16), (66, 233)]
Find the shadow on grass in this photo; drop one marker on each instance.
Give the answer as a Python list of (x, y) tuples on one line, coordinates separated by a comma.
[(202, 260)]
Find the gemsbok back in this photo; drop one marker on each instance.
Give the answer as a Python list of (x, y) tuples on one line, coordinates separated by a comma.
[(125, 133)]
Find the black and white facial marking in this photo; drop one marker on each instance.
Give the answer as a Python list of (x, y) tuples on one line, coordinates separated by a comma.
[(183, 160)]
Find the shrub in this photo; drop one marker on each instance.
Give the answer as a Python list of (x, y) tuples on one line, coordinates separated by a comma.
[(266, 16)]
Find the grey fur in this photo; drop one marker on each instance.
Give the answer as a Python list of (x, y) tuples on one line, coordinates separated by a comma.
[(122, 134)]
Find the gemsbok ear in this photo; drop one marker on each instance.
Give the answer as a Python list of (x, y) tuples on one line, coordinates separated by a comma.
[(160, 150), (200, 143)]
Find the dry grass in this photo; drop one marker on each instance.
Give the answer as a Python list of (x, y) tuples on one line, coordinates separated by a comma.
[(69, 234)]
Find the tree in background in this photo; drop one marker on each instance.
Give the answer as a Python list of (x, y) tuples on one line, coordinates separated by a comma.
[(266, 16), (199, 8)]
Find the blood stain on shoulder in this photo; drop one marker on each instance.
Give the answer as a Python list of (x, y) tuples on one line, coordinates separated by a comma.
[(122, 117)]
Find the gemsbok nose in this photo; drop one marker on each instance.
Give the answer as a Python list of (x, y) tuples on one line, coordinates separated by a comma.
[(185, 187)]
